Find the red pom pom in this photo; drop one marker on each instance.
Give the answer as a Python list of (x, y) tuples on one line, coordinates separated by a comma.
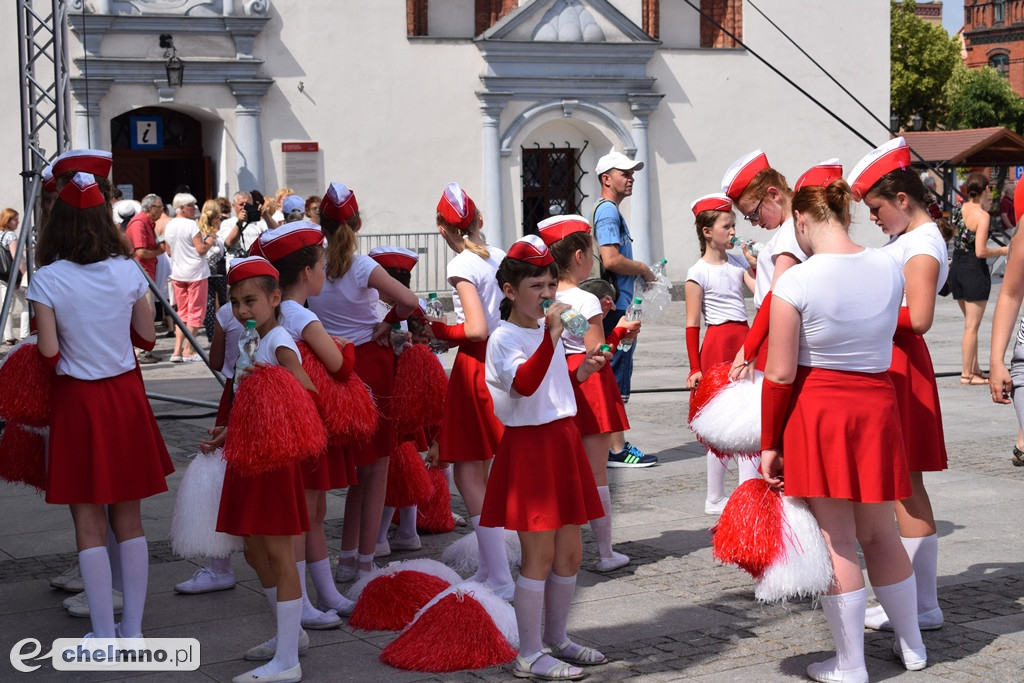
[(360, 409), (23, 456), (332, 408), (273, 422), (749, 533), (711, 382), (454, 634), (408, 483), (390, 601), (420, 384), (30, 404), (434, 516)]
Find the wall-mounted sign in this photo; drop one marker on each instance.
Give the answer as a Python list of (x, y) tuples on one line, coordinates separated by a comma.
[(147, 132)]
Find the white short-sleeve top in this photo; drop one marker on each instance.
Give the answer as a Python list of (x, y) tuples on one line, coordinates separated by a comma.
[(93, 306), (588, 306), (186, 263), (275, 339), (232, 331), (295, 318), (782, 242), (924, 239), (347, 305), (481, 272), (723, 288), (510, 346), (848, 305)]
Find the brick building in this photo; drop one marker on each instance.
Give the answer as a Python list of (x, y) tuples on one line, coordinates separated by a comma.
[(993, 36)]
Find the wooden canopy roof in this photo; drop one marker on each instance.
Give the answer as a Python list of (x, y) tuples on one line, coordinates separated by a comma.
[(996, 146)]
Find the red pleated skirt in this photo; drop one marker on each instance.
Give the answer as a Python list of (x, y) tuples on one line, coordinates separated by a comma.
[(376, 367), (470, 430), (917, 397), (599, 407), (541, 480), (105, 446), (842, 438), (722, 343), (268, 504), (332, 469)]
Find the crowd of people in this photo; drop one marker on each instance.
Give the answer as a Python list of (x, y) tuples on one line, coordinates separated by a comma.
[(533, 413)]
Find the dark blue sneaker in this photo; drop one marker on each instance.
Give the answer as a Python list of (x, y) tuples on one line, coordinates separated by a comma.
[(631, 456)]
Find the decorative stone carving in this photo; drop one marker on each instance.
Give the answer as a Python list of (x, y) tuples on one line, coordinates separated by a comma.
[(257, 8), (168, 6), (568, 21)]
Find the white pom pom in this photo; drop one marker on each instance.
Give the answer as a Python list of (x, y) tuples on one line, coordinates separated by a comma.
[(194, 525), (731, 421), (806, 569), (500, 611), (419, 564), (463, 555), (513, 550)]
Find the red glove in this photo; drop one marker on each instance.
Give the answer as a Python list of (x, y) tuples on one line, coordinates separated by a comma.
[(758, 329), (348, 363), (615, 336), (392, 316), (903, 323), (774, 404), (531, 373), (450, 333), (139, 342), (693, 347)]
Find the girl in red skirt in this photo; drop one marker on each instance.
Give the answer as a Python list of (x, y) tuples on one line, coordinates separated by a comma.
[(829, 409), (763, 198), (105, 448), (347, 307), (898, 202), (268, 509), (470, 432), (599, 407), (296, 251), (714, 289), (541, 484)]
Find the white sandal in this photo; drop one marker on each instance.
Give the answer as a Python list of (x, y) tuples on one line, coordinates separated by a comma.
[(587, 656), (560, 671)]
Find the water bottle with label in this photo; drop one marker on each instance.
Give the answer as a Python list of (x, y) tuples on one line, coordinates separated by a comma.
[(633, 312), (248, 343), (436, 310), (572, 320), (753, 248)]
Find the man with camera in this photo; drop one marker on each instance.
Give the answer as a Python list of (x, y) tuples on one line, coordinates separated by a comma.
[(250, 219)]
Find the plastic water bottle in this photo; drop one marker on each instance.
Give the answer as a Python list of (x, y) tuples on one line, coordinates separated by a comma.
[(753, 248), (400, 338), (659, 268), (657, 294), (436, 310), (572, 320), (633, 312), (248, 343)]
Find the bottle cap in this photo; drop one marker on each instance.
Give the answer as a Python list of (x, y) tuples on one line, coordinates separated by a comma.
[(396, 326), (432, 296), (545, 304), (603, 348), (638, 301), (250, 324), (664, 261)]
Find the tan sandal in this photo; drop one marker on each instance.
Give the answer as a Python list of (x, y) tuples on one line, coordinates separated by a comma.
[(560, 671), (973, 380)]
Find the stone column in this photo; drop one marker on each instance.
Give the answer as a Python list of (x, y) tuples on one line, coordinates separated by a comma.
[(248, 135), (640, 215), (88, 131), (500, 234)]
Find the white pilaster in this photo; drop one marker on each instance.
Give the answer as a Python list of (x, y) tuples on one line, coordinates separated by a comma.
[(640, 216), (499, 234), (248, 134)]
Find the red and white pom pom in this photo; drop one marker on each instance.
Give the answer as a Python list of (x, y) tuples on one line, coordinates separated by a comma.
[(360, 409), (420, 564), (390, 597), (711, 382), (438, 640), (194, 524), (25, 369), (408, 481), (273, 423), (420, 384), (23, 455), (333, 409), (434, 516), (729, 421), (805, 569), (464, 555), (749, 534)]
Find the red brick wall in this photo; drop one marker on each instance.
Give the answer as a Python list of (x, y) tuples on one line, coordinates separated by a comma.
[(416, 17), (488, 12), (651, 17), (984, 37), (728, 13)]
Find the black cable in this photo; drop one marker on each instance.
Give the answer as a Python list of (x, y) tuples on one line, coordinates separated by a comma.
[(186, 417)]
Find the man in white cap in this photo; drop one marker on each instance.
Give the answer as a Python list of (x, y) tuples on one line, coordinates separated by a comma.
[(615, 173)]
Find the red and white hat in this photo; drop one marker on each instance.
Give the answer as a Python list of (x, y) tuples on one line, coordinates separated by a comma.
[(82, 192), (530, 249), (821, 174), (339, 203), (742, 171), (711, 202), (94, 161), (250, 266), (891, 156), (456, 207), (559, 227), (49, 182), (277, 243), (395, 257)]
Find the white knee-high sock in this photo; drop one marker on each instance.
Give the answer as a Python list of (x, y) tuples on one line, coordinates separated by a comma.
[(385, 523), (300, 566), (845, 615), (749, 468), (286, 654), (924, 556), (115, 560), (602, 527), (407, 522), (558, 592), (716, 477), (326, 591), (899, 600), (494, 556), (529, 603), (134, 578), (95, 566), (481, 563)]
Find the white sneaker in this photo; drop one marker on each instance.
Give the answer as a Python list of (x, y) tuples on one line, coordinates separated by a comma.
[(344, 607), (383, 549), (826, 672), (292, 675), (399, 543), (715, 507), (315, 620), (206, 580), (876, 619), (913, 660), (345, 573), (267, 650), (62, 579), (459, 519), (608, 564), (78, 605)]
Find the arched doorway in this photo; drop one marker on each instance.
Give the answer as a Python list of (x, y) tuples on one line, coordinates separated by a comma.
[(158, 150)]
